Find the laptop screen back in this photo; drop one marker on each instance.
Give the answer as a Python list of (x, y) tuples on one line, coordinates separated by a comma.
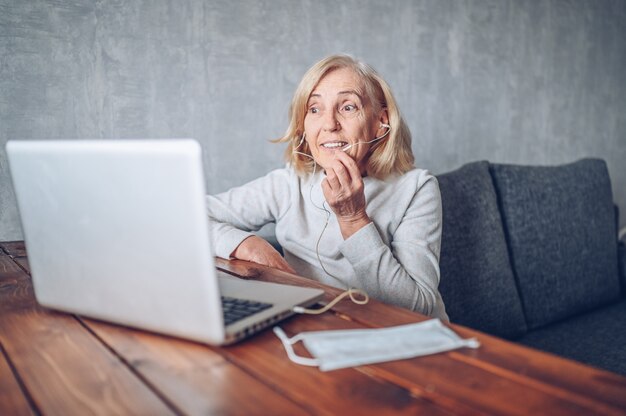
[(117, 230)]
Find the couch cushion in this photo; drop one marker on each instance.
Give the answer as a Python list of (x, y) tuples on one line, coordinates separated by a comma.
[(596, 338), (477, 283), (560, 226)]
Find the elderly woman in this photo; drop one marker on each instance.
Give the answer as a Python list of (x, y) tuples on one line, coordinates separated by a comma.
[(351, 210)]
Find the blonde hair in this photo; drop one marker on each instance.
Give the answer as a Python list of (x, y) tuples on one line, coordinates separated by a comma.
[(392, 155)]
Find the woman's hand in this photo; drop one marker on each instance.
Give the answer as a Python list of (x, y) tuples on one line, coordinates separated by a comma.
[(257, 250), (345, 193)]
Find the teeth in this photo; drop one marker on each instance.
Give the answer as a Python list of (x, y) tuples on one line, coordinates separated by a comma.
[(334, 145)]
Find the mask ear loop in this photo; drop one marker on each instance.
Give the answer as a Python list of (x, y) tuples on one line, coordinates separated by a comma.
[(287, 344)]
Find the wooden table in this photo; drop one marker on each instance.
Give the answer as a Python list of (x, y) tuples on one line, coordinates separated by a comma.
[(60, 364)]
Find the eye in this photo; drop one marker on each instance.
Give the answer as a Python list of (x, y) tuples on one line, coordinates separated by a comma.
[(349, 108), (314, 110)]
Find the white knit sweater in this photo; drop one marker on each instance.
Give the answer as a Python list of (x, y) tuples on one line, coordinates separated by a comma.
[(395, 259)]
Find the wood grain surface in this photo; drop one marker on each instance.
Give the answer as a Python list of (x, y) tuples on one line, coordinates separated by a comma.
[(57, 363)]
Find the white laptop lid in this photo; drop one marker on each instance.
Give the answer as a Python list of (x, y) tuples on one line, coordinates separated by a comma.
[(117, 230)]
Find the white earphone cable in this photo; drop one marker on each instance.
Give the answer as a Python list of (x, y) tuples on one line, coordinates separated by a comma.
[(375, 139), (350, 292)]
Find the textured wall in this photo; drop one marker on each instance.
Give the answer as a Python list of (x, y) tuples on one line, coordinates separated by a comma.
[(534, 82)]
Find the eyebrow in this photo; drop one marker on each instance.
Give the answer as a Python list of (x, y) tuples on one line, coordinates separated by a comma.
[(345, 92)]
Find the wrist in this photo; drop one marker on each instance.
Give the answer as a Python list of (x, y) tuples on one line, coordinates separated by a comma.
[(352, 224)]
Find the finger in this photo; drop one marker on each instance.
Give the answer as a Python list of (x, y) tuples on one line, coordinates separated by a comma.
[(278, 262), (286, 267), (331, 178), (350, 165), (351, 180), (329, 195), (341, 174)]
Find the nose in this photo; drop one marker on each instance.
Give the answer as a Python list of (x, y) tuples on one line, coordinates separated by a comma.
[(330, 121)]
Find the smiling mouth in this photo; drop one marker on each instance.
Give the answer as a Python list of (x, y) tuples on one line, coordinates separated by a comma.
[(334, 145)]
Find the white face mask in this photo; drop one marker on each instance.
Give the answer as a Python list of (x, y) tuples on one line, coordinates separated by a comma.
[(349, 348)]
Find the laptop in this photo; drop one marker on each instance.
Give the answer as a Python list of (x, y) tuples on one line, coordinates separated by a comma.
[(117, 230)]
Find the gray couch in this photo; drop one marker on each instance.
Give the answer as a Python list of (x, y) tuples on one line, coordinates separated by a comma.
[(530, 253)]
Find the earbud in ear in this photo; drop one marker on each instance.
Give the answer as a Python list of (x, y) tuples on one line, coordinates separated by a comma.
[(382, 125)]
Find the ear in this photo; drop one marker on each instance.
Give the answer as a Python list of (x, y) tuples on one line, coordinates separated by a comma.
[(383, 118)]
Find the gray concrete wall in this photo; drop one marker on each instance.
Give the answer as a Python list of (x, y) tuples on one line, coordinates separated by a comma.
[(534, 82)]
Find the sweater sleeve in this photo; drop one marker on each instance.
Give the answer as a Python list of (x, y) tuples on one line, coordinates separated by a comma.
[(234, 214), (406, 273)]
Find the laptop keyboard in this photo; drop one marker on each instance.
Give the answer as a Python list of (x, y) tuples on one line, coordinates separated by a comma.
[(237, 309)]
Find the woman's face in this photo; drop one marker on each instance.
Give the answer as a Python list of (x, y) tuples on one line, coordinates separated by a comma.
[(339, 115)]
